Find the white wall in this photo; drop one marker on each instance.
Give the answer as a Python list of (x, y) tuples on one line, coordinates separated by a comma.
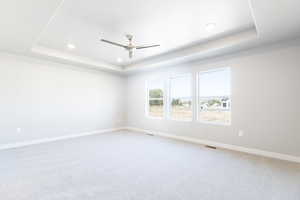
[(265, 100), (47, 100)]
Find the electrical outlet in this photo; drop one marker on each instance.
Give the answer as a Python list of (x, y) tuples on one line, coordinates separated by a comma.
[(19, 130), (241, 133)]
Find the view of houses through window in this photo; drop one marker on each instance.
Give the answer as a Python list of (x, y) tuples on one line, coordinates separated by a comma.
[(181, 98), (214, 97)]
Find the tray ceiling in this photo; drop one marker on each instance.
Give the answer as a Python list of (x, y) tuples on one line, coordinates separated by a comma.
[(171, 23)]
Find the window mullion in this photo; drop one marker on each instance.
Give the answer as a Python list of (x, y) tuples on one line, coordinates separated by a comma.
[(167, 99)]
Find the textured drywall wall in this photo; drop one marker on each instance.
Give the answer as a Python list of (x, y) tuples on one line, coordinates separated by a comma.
[(46, 99), (265, 100)]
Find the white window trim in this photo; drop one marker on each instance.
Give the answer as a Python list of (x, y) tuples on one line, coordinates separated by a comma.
[(195, 77), (214, 123), (148, 99), (198, 97), (169, 97)]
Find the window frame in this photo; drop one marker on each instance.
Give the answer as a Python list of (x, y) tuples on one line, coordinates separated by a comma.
[(147, 105), (198, 97), (169, 102)]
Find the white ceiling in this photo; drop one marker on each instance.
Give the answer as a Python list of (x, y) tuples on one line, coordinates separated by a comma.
[(43, 28), (171, 23), (21, 22)]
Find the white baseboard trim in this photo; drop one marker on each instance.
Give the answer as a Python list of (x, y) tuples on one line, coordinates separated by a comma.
[(65, 137), (221, 145)]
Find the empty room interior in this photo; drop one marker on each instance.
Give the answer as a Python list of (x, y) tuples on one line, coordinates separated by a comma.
[(150, 100)]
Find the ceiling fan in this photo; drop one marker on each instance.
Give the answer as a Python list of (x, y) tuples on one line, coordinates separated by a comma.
[(130, 47)]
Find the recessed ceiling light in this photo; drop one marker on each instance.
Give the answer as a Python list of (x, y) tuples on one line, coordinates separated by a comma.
[(210, 27), (71, 46), (119, 60)]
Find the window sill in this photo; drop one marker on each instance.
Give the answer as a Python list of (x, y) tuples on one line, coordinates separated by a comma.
[(181, 120), (214, 123), (149, 117)]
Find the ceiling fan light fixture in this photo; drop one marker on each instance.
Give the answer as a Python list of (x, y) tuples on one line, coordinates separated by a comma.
[(119, 60), (130, 47)]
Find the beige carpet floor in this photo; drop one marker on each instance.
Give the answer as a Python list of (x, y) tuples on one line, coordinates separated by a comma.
[(132, 166)]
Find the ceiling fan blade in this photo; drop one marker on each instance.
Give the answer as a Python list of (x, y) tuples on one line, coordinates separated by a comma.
[(144, 47), (113, 43)]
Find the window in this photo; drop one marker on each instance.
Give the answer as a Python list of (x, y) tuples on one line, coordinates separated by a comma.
[(214, 96), (155, 97), (181, 98)]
